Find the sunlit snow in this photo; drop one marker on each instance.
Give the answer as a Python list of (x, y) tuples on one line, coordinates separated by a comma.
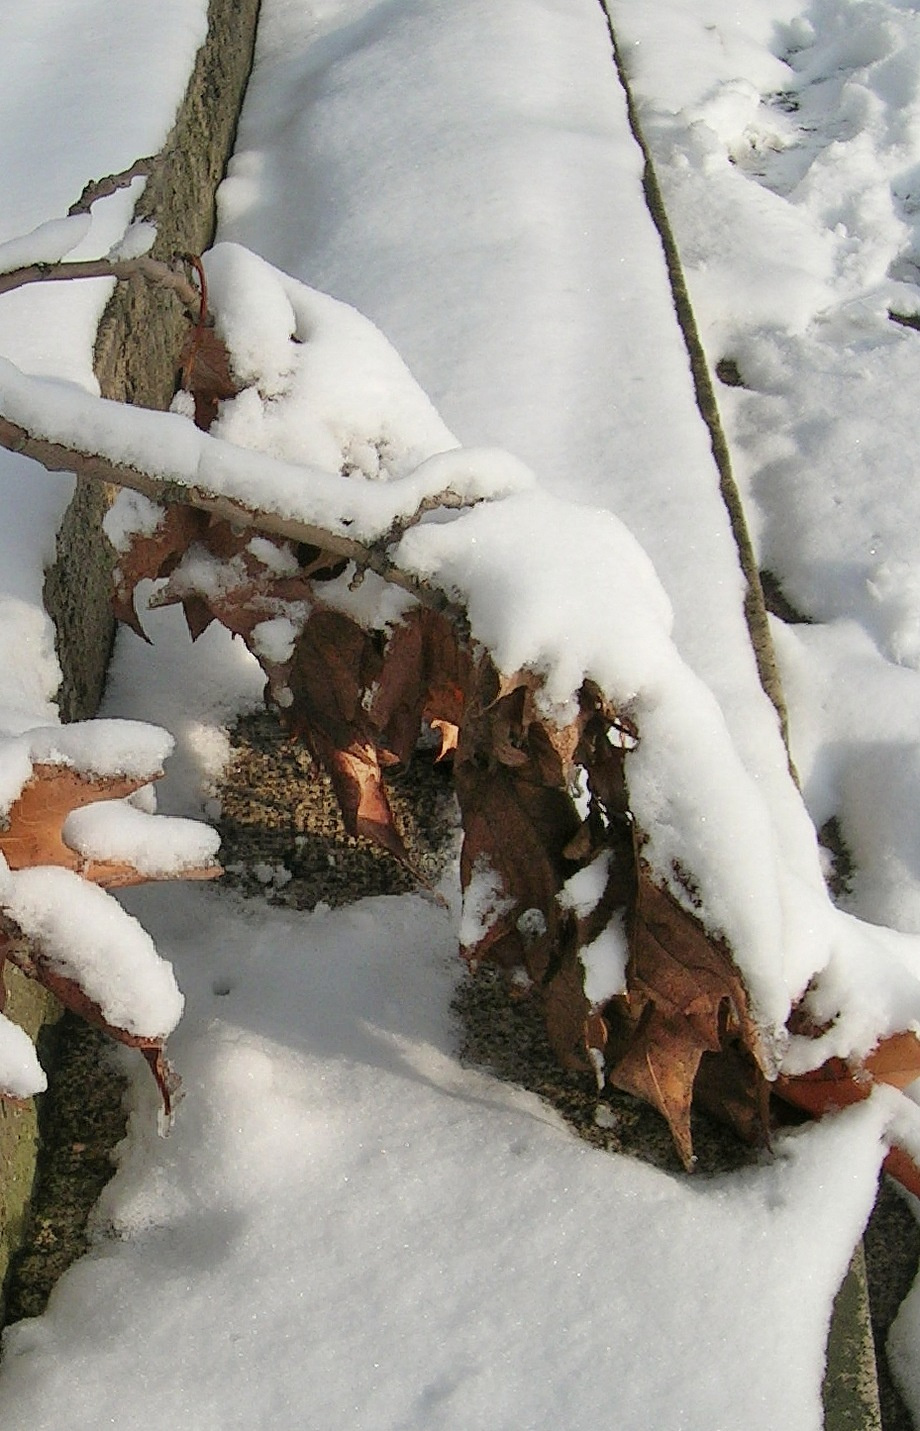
[(347, 1228)]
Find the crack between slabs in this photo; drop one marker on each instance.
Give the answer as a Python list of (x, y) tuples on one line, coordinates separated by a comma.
[(754, 608), (843, 1402)]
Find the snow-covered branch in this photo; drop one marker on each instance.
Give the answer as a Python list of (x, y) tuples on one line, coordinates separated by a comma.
[(370, 555)]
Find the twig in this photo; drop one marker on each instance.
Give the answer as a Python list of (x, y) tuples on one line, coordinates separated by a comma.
[(151, 270), (446, 501), (189, 364), (101, 188)]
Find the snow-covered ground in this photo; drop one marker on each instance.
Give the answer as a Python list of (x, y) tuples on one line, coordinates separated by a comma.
[(345, 1227)]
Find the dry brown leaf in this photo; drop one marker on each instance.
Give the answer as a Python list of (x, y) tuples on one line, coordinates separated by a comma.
[(895, 1060), (685, 999), (519, 829), (660, 1067), (422, 678), (154, 556), (335, 662), (449, 735), (358, 784), (684, 971), (206, 373), (33, 831), (360, 698), (572, 1028), (33, 837), (395, 700), (30, 958), (198, 615), (838, 1084), (900, 1166)]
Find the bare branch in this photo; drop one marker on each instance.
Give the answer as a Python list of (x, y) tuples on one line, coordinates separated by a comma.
[(101, 188), (446, 501), (151, 270)]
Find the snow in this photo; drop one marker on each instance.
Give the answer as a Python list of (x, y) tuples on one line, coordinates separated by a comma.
[(139, 238), (274, 639), (131, 514), (582, 892), (85, 935), (605, 960), (342, 398), (484, 902), (49, 243), (131, 748), (902, 1344), (453, 261), (606, 956), (84, 93), (21, 1074), (155, 845), (168, 446), (418, 1244), (532, 571)]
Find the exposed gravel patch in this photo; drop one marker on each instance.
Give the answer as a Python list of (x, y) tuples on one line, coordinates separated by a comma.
[(282, 836), (506, 1037)]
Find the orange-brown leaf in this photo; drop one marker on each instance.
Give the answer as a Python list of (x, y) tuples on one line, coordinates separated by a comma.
[(33, 833), (900, 1166), (362, 797), (571, 1027), (334, 663), (895, 1060), (520, 830), (449, 737), (685, 1000), (837, 1084), (684, 971)]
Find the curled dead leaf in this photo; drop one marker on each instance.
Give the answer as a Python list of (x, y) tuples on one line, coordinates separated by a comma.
[(837, 1084)]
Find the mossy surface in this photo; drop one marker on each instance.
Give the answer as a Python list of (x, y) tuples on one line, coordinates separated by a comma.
[(850, 1391), (28, 1005), (141, 334), (80, 1120)]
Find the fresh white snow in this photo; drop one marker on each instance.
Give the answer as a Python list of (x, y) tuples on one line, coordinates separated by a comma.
[(85, 935), (346, 1227), (155, 845)]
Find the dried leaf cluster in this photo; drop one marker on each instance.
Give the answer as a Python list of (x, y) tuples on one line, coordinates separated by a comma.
[(538, 802), (34, 837)]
